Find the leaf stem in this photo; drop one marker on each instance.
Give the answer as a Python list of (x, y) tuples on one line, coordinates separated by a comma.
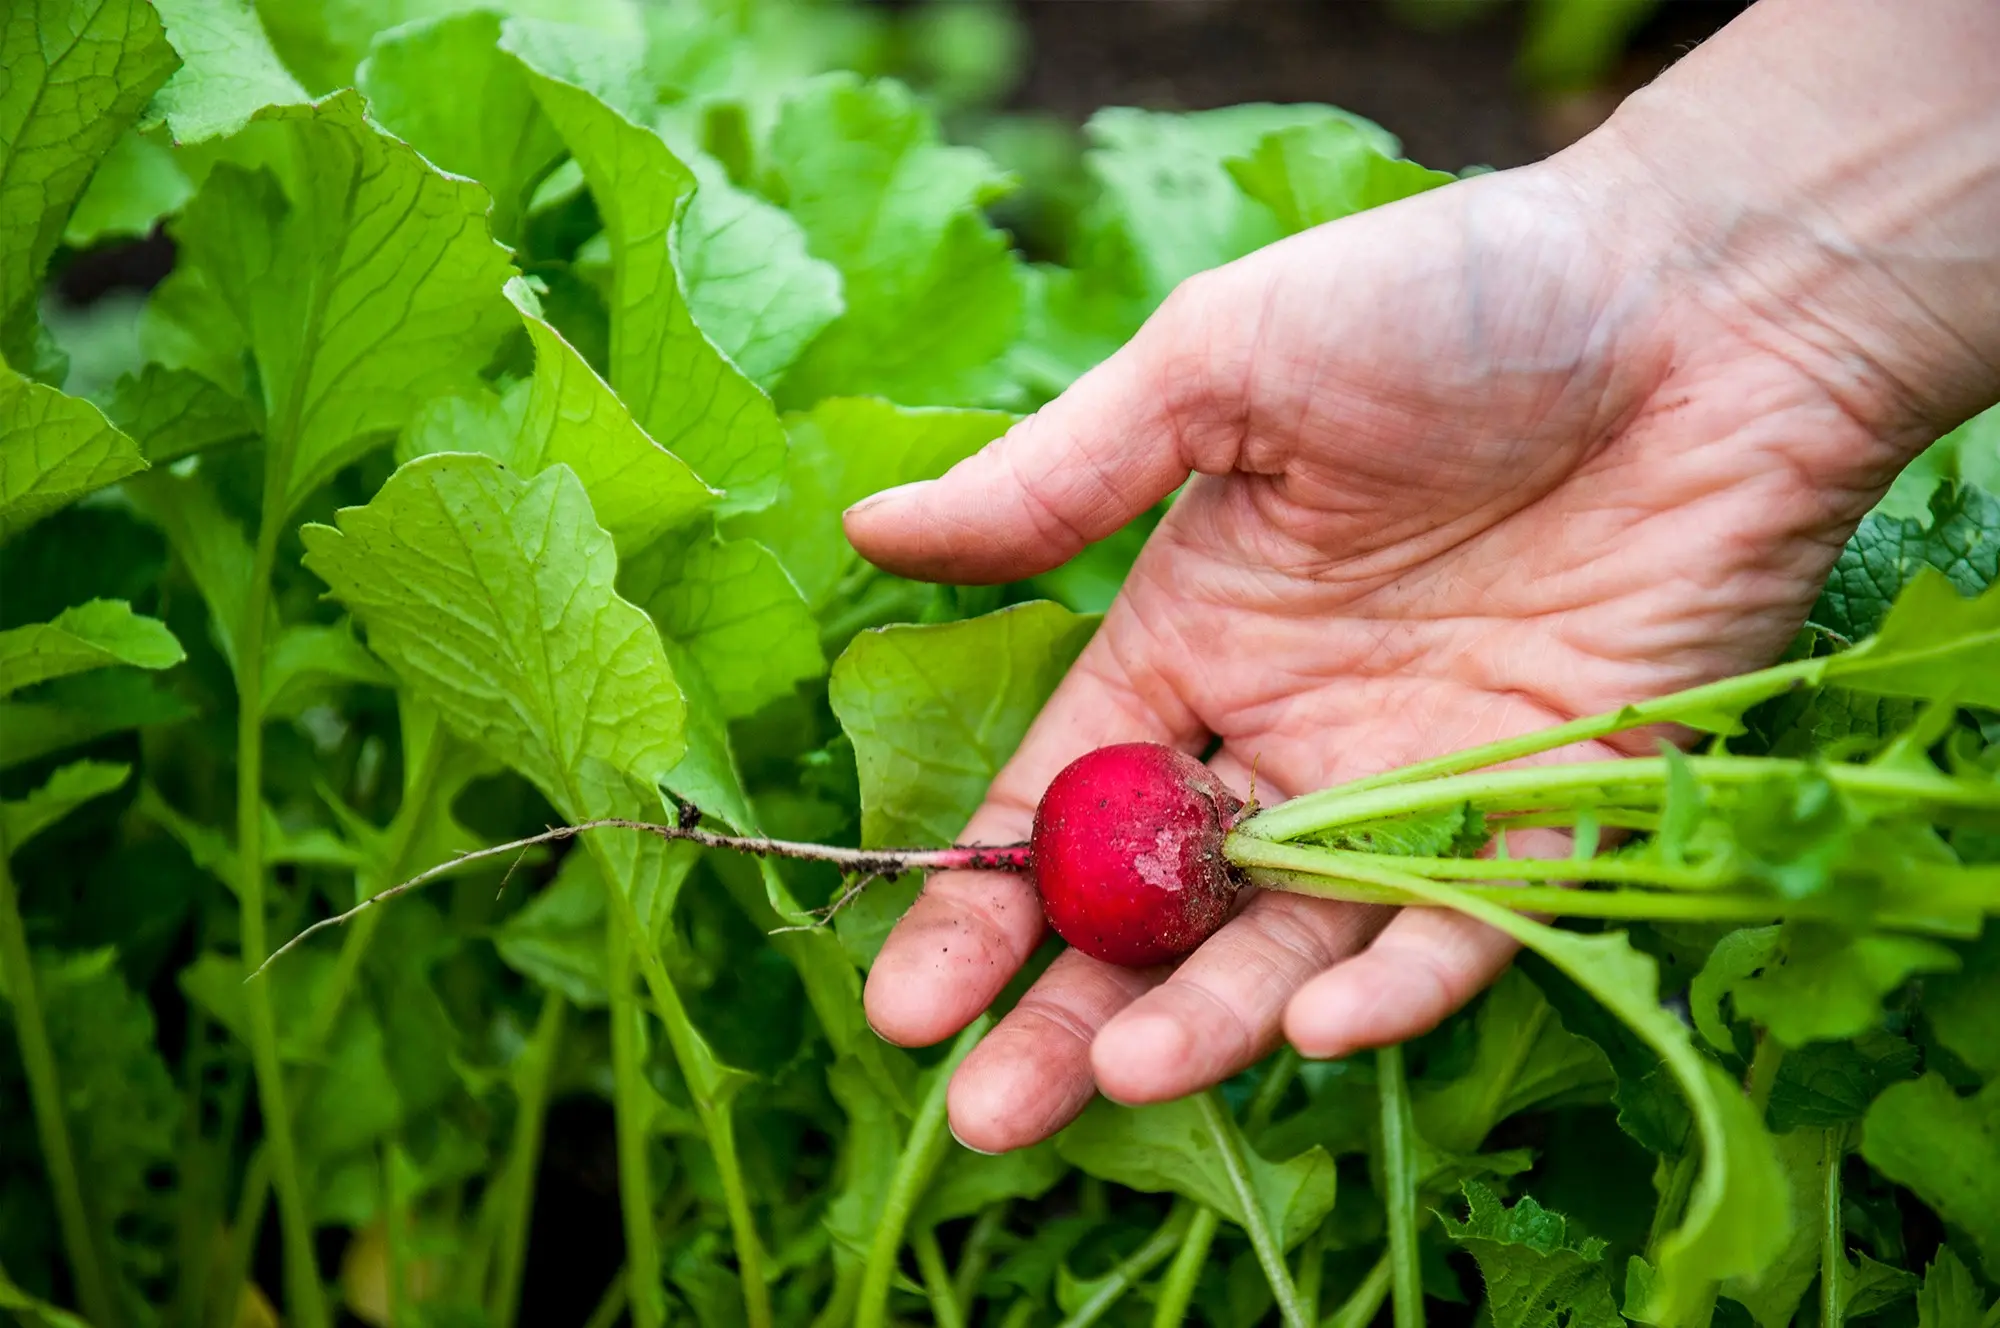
[(977, 1252), (698, 1067), (919, 1158), (303, 1291), (1361, 1307), (1132, 1267), (1729, 696), (1266, 1243), (1399, 1182), (1176, 1291), (633, 1112), (1366, 878), (945, 1309), (1534, 788), (524, 1158), (17, 975), (1832, 1233)]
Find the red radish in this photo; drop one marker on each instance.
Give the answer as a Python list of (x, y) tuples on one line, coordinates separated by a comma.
[(1127, 853)]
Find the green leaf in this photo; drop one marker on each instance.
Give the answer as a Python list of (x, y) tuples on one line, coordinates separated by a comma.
[(1167, 1147), (539, 662), (68, 712), (323, 40), (210, 545), (31, 1312), (1963, 1008), (1870, 1286), (557, 939), (1950, 1297), (53, 450), (67, 789), (78, 72), (306, 659), (681, 389), (1933, 644), (968, 1183), (136, 184), (1831, 1083), (1536, 1275), (122, 1105), (1828, 985), (843, 451), (1735, 958), (228, 70), (490, 127), (935, 711), (1774, 1297), (1960, 539), (362, 281), (565, 414), (1168, 193), (1522, 1057), (172, 413), (934, 292), (95, 635), (751, 284), (1311, 174), (1946, 1149), (731, 606), (1737, 1218)]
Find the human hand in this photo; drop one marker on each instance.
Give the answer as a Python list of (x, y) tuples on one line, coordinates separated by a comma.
[(1482, 461)]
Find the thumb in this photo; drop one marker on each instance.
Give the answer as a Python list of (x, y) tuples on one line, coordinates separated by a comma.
[(1123, 437)]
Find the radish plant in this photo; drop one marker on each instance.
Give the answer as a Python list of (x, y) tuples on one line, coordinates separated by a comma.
[(462, 507)]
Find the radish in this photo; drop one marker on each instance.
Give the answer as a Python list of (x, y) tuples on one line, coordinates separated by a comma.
[(1127, 853)]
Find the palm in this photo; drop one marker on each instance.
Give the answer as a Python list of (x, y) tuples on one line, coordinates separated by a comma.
[(1457, 480)]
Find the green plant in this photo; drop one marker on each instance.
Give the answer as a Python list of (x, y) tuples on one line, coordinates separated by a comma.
[(479, 467)]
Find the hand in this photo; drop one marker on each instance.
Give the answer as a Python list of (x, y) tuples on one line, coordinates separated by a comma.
[(1473, 464)]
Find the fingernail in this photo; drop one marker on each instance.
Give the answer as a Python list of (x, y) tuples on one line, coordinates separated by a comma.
[(966, 1146), (886, 496)]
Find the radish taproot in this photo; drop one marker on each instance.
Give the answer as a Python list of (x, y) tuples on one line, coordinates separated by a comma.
[(1127, 853)]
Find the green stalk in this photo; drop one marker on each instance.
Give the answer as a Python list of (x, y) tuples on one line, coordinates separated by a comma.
[(1763, 1076), (1832, 1234), (1538, 787), (242, 1244), (945, 1310), (1271, 1090), (977, 1252), (1177, 1287), (1360, 1308), (524, 1159), (87, 1267), (418, 789), (1731, 696), (395, 1287), (1609, 871), (1366, 878), (632, 1105), (1673, 1198), (303, 1292), (1265, 1242), (1132, 1268), (703, 1076), (1399, 1181), (611, 1305), (919, 1158)]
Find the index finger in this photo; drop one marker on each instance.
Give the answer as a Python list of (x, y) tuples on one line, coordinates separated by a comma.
[(970, 931)]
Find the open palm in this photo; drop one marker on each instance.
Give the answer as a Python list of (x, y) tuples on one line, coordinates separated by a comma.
[(1463, 468)]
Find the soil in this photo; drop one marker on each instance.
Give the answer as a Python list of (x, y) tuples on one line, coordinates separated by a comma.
[(1450, 93)]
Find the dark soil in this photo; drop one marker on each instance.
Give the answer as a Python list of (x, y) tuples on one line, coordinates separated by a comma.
[(1450, 95)]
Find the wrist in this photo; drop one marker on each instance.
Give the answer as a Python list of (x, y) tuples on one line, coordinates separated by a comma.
[(1829, 193)]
